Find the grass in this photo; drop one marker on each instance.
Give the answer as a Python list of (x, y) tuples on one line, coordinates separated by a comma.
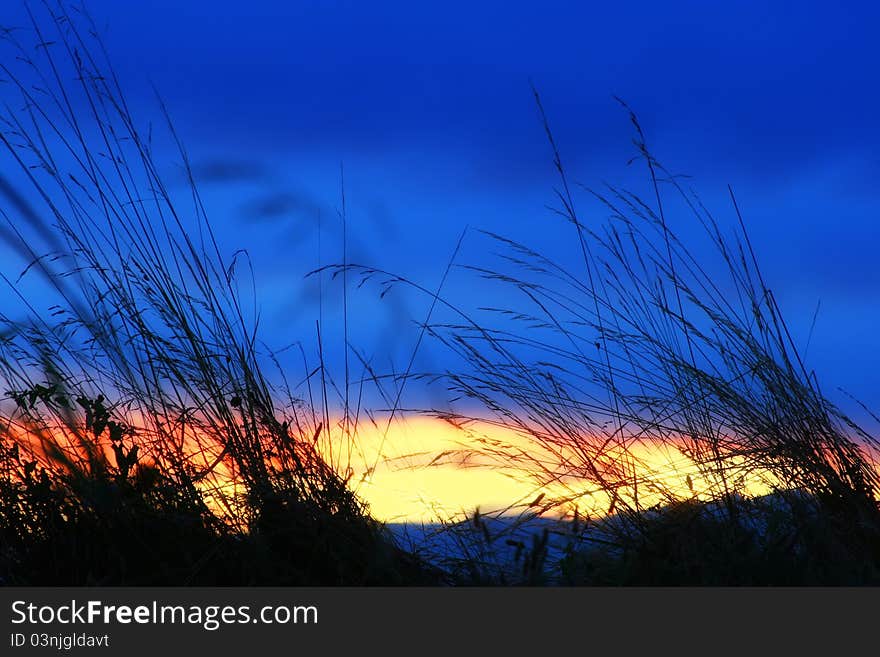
[(143, 394), (650, 346), (148, 439)]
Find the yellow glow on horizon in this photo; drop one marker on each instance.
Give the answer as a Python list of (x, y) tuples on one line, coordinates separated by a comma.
[(429, 469), (422, 469)]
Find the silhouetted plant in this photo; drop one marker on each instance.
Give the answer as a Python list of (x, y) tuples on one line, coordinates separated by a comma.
[(144, 443)]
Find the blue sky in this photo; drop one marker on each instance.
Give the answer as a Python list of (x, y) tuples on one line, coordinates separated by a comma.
[(428, 105)]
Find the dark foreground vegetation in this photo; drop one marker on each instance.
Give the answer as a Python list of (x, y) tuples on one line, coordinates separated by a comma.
[(777, 540), (99, 528), (147, 438)]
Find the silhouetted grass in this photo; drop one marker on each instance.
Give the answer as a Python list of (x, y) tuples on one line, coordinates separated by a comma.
[(142, 442), (650, 345), (642, 345)]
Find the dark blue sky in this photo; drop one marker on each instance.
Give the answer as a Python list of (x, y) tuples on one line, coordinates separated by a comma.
[(429, 108)]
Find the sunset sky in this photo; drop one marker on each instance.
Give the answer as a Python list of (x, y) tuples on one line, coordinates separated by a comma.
[(427, 109)]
